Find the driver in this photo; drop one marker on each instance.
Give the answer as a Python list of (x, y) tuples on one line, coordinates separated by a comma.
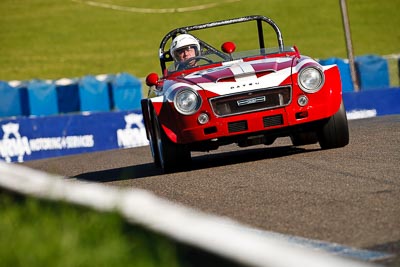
[(184, 47)]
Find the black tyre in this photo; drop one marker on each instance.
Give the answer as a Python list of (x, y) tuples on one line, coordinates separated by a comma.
[(171, 156), (334, 132), (147, 110), (154, 147)]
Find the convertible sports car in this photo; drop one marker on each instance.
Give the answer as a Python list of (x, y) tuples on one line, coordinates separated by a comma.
[(248, 96)]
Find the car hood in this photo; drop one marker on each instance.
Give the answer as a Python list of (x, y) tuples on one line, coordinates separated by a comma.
[(238, 76)]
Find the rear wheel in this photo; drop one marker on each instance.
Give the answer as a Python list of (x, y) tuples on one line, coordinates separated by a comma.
[(334, 132), (171, 156)]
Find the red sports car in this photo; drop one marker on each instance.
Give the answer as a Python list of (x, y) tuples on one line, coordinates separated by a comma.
[(238, 91)]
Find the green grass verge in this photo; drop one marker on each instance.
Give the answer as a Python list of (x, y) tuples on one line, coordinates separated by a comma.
[(50, 39), (41, 233), (37, 232)]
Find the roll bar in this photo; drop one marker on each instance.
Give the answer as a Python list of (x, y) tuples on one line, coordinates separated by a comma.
[(165, 56)]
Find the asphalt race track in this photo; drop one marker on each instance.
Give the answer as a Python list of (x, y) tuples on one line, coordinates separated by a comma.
[(349, 196)]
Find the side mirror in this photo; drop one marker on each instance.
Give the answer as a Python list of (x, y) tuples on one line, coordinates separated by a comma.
[(228, 47), (297, 51), (152, 79)]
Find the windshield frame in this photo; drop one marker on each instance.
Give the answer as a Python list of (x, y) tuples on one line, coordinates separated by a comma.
[(235, 56)]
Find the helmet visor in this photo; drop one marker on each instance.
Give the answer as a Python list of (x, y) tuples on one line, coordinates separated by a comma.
[(186, 48)]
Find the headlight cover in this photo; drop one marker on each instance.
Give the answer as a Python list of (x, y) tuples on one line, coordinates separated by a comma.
[(187, 101), (311, 79)]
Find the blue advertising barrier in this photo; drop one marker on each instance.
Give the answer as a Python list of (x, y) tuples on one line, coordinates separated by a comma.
[(120, 92), (126, 89), (42, 97), (26, 138), (10, 100), (68, 100), (93, 94), (383, 102), (372, 72)]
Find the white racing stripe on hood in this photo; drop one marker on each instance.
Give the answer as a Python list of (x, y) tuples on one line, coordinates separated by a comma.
[(252, 83), (276, 78), (306, 61), (243, 71), (170, 89)]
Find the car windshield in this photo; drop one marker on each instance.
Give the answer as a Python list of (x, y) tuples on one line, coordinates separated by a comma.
[(209, 57), (260, 52)]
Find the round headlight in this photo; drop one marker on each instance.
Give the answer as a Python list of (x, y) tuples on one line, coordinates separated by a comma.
[(187, 101), (311, 79)]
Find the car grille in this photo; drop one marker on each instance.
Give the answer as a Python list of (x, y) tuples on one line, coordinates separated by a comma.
[(251, 101), (268, 121)]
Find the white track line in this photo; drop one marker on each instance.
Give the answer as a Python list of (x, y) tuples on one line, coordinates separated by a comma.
[(154, 10), (361, 114)]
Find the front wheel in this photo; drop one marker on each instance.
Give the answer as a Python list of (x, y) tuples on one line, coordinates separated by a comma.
[(171, 156), (334, 132)]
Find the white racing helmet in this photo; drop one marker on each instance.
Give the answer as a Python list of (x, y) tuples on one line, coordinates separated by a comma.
[(181, 41)]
